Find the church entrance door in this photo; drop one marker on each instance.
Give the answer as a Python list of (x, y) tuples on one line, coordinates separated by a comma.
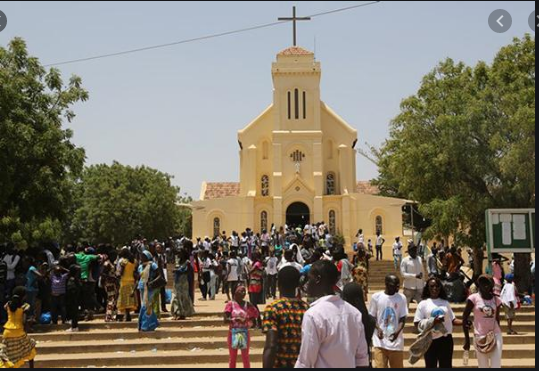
[(298, 214)]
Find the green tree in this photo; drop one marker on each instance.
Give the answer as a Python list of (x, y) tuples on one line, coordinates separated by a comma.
[(465, 143), (116, 203), (38, 161), (185, 220)]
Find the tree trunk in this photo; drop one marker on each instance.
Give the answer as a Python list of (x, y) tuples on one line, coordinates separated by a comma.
[(523, 274), (478, 260)]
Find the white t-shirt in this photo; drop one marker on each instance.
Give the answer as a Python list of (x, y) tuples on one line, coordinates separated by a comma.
[(388, 310), (207, 264), (234, 241), (233, 264), (246, 264), (397, 248), (379, 241), (435, 308), (508, 295), (361, 239), (271, 266)]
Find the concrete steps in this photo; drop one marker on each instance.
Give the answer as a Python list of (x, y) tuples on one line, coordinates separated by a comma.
[(513, 355), (200, 342), (171, 328), (172, 346), (209, 343), (525, 363)]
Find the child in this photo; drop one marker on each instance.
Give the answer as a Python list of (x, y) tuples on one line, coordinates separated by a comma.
[(58, 289), (19, 349), (73, 297), (510, 302)]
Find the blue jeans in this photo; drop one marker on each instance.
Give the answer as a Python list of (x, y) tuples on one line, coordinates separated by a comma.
[(397, 260)]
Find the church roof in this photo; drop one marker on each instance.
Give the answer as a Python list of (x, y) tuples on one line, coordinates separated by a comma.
[(221, 190), (367, 188), (295, 50)]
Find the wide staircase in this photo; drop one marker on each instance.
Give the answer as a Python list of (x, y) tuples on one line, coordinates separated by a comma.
[(201, 341)]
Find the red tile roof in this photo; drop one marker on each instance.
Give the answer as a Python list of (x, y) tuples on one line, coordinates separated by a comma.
[(296, 50), (221, 190), (366, 188)]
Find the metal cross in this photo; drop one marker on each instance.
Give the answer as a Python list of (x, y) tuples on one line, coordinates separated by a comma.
[(294, 20)]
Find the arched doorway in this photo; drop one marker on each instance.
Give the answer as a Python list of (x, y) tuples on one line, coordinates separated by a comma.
[(298, 214)]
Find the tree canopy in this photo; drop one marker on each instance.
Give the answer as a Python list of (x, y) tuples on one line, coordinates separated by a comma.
[(38, 160), (466, 143), (116, 203)]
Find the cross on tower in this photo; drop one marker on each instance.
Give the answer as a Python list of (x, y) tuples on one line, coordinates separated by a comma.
[(294, 20)]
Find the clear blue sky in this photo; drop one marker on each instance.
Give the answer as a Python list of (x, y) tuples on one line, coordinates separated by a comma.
[(178, 109)]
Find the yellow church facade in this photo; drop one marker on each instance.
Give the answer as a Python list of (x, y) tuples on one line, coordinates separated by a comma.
[(297, 167)]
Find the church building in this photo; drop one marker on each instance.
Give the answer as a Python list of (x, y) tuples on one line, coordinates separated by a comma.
[(297, 167)]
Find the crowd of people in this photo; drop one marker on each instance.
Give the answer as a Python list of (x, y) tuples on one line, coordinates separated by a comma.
[(316, 296)]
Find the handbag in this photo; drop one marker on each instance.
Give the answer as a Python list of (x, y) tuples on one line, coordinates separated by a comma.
[(158, 283), (486, 344), (240, 338)]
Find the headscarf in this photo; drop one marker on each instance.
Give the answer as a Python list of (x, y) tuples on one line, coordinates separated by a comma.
[(239, 288), (148, 255)]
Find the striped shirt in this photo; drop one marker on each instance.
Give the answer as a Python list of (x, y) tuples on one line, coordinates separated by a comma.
[(59, 284)]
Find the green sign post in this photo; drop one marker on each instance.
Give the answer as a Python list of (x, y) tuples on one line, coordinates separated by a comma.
[(510, 231)]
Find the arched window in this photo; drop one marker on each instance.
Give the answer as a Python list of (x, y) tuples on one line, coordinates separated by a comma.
[(264, 220), (265, 190), (330, 184), (216, 227), (379, 224), (332, 222), (265, 151)]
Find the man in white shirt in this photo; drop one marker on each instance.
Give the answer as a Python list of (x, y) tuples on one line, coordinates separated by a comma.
[(379, 246), (207, 244), (234, 241), (333, 335), (390, 310), (233, 270), (206, 264), (272, 272), (246, 265), (413, 273), (360, 237), (397, 252)]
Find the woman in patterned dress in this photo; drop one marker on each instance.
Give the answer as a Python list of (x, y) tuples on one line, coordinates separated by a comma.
[(110, 284), (361, 272), (182, 306)]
